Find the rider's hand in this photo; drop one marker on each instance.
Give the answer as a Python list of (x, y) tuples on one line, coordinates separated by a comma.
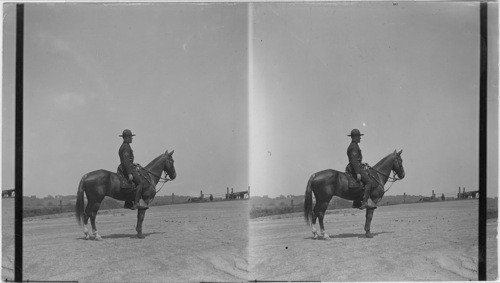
[(130, 177), (359, 176)]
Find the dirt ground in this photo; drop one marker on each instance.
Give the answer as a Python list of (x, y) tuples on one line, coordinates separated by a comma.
[(185, 242), (217, 242), (414, 242)]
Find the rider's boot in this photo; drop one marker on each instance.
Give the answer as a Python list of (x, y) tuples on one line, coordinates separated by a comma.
[(138, 195), (356, 204), (128, 204)]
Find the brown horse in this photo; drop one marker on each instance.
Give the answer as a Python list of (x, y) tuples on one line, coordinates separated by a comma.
[(100, 183), (328, 183)]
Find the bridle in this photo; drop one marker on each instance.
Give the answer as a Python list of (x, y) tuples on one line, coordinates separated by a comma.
[(392, 179), (164, 180)]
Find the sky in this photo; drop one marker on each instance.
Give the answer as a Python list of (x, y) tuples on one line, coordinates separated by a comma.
[(406, 75), (176, 75), (260, 95)]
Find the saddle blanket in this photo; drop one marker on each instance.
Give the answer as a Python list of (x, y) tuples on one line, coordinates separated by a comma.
[(125, 184), (353, 183)]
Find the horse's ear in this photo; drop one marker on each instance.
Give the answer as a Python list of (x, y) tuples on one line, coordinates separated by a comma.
[(172, 152), (166, 151), (394, 152), (401, 151)]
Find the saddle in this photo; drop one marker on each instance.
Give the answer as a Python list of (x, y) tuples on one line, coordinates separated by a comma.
[(354, 186), (124, 182), (353, 183), (127, 185)]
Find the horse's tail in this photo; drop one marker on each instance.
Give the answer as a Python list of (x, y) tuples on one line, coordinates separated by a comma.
[(80, 202), (308, 200)]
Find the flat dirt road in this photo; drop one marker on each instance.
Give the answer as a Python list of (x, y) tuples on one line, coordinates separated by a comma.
[(217, 242), (184, 242), (413, 242)]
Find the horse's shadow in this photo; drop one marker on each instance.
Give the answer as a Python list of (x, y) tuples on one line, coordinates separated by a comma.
[(131, 236), (352, 235), (123, 236)]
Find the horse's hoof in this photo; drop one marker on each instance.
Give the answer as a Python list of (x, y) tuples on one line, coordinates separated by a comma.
[(140, 236), (369, 235), (315, 236), (98, 238), (326, 237), (87, 237)]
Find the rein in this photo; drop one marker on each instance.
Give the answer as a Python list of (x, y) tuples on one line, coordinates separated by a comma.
[(165, 180), (389, 178), (160, 178)]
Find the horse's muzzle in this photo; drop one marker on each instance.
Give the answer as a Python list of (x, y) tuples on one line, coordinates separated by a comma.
[(173, 176), (402, 175)]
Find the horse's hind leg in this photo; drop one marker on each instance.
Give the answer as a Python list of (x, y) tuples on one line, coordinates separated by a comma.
[(86, 216), (313, 223), (320, 211), (93, 214)]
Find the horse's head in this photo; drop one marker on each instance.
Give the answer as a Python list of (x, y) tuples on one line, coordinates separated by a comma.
[(397, 165), (168, 166)]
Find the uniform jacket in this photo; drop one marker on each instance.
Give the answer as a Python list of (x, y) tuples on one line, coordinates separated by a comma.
[(126, 158), (355, 157)]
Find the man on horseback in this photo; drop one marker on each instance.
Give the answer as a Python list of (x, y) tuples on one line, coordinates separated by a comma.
[(127, 163), (356, 166)]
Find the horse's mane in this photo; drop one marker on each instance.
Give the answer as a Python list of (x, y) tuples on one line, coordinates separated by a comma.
[(383, 160), (154, 161)]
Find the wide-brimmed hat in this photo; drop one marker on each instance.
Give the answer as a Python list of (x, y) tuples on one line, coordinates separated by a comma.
[(355, 133), (127, 133)]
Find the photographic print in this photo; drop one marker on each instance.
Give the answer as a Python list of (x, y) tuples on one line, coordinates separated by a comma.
[(162, 87), (250, 141), (390, 90)]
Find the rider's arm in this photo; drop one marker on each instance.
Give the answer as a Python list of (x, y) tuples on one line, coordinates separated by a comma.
[(355, 162), (127, 163)]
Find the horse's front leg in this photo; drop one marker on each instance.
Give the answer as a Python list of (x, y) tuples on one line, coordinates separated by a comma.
[(369, 217), (140, 218)]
